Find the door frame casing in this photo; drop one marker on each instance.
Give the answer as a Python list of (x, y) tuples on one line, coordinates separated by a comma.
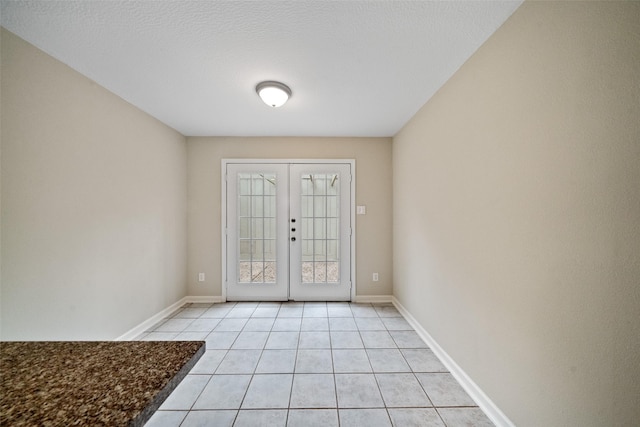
[(223, 209)]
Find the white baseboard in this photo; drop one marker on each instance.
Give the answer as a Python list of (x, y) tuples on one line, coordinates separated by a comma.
[(204, 299), (379, 299), (137, 330), (491, 409)]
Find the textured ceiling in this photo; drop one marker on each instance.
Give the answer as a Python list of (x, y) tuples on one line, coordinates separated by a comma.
[(356, 68)]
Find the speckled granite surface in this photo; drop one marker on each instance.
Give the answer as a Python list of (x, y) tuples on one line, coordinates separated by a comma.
[(89, 383)]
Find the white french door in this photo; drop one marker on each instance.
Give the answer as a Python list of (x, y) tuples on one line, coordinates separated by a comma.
[(288, 231), (320, 205), (256, 220)]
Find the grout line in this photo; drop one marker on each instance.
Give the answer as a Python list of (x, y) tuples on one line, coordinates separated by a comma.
[(333, 367)]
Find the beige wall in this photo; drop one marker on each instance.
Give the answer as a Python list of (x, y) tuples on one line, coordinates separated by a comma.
[(373, 189), (93, 205), (517, 215)]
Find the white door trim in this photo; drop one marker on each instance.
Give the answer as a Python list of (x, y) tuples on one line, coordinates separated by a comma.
[(223, 210)]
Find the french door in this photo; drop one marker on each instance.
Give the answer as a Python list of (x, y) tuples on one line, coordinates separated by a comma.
[(288, 231)]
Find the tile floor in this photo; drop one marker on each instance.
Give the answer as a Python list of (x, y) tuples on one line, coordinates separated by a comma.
[(309, 364)]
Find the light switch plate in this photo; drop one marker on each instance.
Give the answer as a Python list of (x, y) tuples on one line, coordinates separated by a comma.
[(361, 210)]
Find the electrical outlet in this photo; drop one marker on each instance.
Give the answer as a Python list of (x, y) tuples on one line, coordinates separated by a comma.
[(375, 277), (200, 277)]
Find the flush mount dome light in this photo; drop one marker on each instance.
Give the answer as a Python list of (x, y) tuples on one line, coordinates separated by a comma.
[(274, 94)]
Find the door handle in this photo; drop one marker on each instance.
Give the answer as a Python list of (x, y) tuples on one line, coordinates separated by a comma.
[(293, 220)]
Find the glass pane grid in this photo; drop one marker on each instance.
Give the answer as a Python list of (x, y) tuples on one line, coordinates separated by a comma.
[(320, 232), (257, 228)]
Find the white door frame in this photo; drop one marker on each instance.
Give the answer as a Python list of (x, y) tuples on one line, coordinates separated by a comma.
[(223, 209)]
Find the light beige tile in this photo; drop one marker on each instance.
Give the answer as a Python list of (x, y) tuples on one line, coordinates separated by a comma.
[(342, 324), (350, 361), (315, 324), (364, 417), (287, 324), (396, 324), (268, 391), (313, 391), (269, 417), (444, 390), (166, 419), (209, 362), (387, 311), (363, 310), (313, 418), (402, 390), (408, 339), (369, 324), (259, 324), (203, 325), (314, 339), (220, 340), (346, 340), (190, 313), (314, 361), (422, 360), (277, 362), (463, 417), (223, 392), (415, 417), (358, 391), (209, 418), (230, 325), (282, 340), (377, 339), (387, 360), (174, 325), (339, 310), (186, 393), (239, 362), (249, 340)]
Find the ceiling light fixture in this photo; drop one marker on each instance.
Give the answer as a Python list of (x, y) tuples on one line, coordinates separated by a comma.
[(274, 94)]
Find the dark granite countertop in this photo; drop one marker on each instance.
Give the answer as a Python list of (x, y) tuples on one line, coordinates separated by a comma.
[(90, 383)]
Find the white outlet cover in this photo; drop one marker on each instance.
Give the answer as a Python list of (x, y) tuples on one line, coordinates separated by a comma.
[(361, 210)]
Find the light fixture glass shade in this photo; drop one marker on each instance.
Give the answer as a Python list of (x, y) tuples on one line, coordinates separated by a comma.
[(274, 94)]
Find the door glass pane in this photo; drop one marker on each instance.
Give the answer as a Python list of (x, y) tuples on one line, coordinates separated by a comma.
[(320, 206), (270, 228), (257, 228), (270, 205), (319, 228), (245, 272), (306, 207)]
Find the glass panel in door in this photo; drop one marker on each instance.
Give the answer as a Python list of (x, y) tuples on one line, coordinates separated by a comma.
[(256, 228), (319, 232)]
